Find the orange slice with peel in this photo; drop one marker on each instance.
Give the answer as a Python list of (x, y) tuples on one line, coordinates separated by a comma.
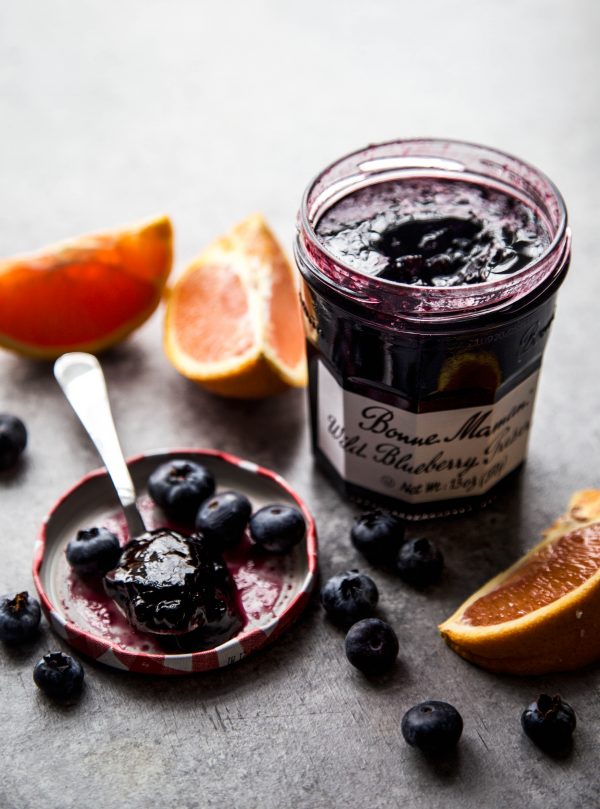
[(543, 613), (233, 322), (84, 294)]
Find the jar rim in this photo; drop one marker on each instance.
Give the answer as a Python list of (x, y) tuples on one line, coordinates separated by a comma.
[(436, 301)]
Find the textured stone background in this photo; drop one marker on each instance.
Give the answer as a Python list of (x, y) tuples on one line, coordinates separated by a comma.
[(112, 111)]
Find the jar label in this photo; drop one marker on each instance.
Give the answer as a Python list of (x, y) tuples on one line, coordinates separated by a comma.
[(422, 457)]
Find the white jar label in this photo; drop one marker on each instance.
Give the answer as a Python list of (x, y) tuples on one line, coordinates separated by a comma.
[(421, 457)]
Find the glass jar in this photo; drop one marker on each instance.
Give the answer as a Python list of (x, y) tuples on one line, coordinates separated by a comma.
[(421, 397)]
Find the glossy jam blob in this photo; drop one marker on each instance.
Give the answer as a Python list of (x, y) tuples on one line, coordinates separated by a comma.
[(170, 584)]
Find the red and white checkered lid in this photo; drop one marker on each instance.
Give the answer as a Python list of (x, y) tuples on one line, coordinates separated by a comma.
[(274, 591)]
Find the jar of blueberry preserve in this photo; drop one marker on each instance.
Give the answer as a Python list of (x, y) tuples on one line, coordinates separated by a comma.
[(429, 277)]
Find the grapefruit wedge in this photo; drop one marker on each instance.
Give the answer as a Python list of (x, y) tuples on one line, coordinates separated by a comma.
[(84, 294), (543, 613), (233, 322)]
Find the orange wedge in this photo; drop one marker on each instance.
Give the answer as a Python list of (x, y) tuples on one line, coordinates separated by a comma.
[(84, 294), (233, 321), (543, 613)]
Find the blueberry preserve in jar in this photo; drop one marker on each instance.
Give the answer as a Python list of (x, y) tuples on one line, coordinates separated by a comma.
[(430, 270), (432, 233)]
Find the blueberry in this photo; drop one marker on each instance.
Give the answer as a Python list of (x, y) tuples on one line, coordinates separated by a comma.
[(180, 487), (93, 550), (549, 722), (58, 675), (13, 439), (377, 536), (419, 562), (432, 726), (19, 617), (223, 518), (371, 646), (277, 528), (349, 597)]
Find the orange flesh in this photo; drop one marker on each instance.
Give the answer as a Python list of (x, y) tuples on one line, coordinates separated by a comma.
[(555, 570), (212, 318), (286, 333), (76, 295), (66, 310)]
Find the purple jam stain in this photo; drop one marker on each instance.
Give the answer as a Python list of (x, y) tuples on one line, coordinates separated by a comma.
[(259, 583), (259, 579), (432, 232)]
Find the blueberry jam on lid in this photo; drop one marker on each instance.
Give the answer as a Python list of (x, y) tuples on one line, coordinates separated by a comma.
[(432, 228)]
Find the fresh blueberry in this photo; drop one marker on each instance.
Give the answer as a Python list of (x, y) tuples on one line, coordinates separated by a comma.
[(420, 562), (349, 597), (58, 675), (19, 617), (432, 726), (180, 487), (13, 439), (377, 535), (277, 528), (549, 722), (93, 550), (371, 646), (223, 518)]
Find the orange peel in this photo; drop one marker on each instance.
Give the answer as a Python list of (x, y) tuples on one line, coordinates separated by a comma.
[(542, 614)]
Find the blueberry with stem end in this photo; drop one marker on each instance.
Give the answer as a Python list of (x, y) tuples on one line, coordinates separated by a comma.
[(223, 518), (19, 617), (349, 597), (549, 722), (93, 550), (58, 675), (432, 726), (13, 440), (277, 528), (377, 536), (419, 562), (372, 646), (180, 487)]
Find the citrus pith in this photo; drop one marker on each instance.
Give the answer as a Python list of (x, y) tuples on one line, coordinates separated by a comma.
[(84, 294), (543, 613)]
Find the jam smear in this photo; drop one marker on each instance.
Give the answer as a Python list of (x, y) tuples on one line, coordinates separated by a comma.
[(555, 570), (432, 232)]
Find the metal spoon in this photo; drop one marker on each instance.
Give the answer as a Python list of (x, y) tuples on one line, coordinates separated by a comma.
[(82, 381)]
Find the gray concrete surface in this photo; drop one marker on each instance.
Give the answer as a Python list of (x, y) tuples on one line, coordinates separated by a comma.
[(111, 111)]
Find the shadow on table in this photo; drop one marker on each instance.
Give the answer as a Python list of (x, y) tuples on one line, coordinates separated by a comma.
[(478, 545), (266, 430), (446, 767), (214, 685)]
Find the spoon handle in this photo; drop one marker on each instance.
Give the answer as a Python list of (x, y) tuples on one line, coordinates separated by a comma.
[(82, 381)]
